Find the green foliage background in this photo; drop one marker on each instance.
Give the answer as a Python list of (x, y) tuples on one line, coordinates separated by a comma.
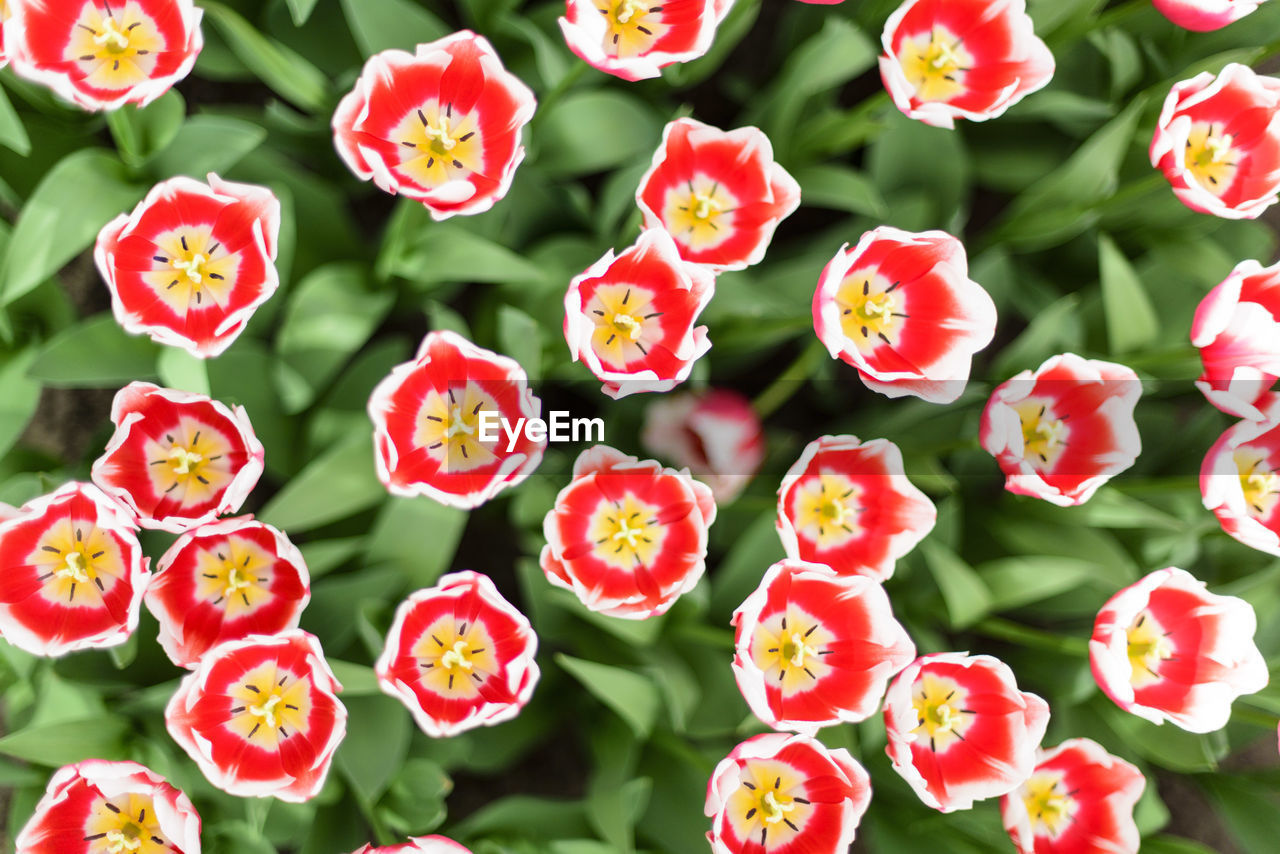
[(1080, 242)]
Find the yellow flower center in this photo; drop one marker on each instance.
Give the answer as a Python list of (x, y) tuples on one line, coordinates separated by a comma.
[(1261, 485), (697, 213), (1043, 436), (774, 807), (457, 657), (627, 534), (184, 460), (267, 710), (441, 142), (628, 9), (460, 424), (76, 568), (192, 268), (126, 824), (795, 649), (1047, 804), (827, 509), (866, 314), (940, 715), (1210, 157), (112, 38), (935, 67), (628, 325), (1148, 645)]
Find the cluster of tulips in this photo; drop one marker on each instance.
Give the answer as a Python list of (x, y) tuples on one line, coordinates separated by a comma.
[(816, 644)]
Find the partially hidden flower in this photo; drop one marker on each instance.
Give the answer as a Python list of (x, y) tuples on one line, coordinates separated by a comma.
[(416, 845), (1166, 649), (102, 55), (459, 656), (225, 581), (1237, 331), (960, 730), (429, 423), (1201, 16), (440, 126), (1240, 481), (636, 39), (630, 318), (192, 262), (1079, 800), (718, 193), (72, 573), (178, 459), (848, 504), (261, 716), (1218, 142), (715, 434), (901, 308), (962, 59), (815, 649), (627, 536), (100, 807), (786, 794), (1063, 430)]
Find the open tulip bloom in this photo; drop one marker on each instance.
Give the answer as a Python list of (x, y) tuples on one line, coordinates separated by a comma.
[(786, 794), (1079, 800), (627, 536), (417, 845), (1240, 481), (718, 193), (440, 126), (1166, 649), (962, 59), (848, 504), (1237, 330), (1205, 15), (459, 656), (1063, 430), (427, 423), (100, 807), (226, 581), (1218, 142), (901, 308), (815, 649), (261, 716), (630, 318), (178, 459), (192, 262), (716, 435), (103, 55), (636, 39), (960, 730), (72, 574)]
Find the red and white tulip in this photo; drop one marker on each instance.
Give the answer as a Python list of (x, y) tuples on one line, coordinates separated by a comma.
[(225, 581), (1237, 330), (440, 126), (627, 536), (1201, 16), (192, 262), (178, 459), (815, 649), (636, 39), (1218, 142), (416, 845), (715, 434), (1063, 430), (630, 318), (786, 794), (962, 59), (718, 193), (960, 730), (427, 418), (103, 54), (1240, 481), (101, 807), (73, 573), (459, 656), (901, 308), (261, 716), (848, 504), (1166, 649), (1079, 800)]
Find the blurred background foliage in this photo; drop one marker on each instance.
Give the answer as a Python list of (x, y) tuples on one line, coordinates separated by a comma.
[(1079, 241)]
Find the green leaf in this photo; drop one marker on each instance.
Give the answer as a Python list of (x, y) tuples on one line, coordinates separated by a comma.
[(19, 395), (378, 25), (300, 10), (750, 554), (590, 131), (1248, 809), (181, 370), (1050, 331), (965, 595), (520, 337), (339, 483), (1166, 745), (840, 188), (13, 135), (1021, 580), (95, 353), (613, 810), (377, 742), (357, 680), (1131, 321), (280, 67), (190, 151), (417, 796), (404, 526), (632, 696), (57, 744), (140, 132), (1173, 845), (450, 253), (64, 214)]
